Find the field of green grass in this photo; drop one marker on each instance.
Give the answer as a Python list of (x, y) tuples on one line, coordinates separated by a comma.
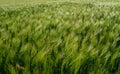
[(59, 37)]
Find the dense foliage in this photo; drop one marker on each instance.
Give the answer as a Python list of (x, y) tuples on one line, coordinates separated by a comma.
[(60, 38)]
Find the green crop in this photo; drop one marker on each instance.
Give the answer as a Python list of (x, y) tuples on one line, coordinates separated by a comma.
[(60, 38)]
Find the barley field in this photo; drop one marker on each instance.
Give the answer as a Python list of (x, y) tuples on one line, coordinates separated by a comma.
[(59, 37)]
